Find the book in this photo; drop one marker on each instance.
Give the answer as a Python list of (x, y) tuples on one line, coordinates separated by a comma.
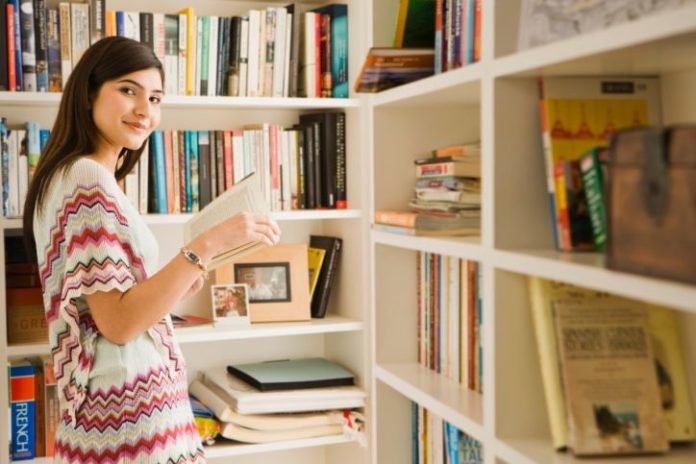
[(592, 165), (428, 222), (242, 197), (385, 68), (185, 320), (415, 25), (315, 258), (468, 168), (245, 399), (285, 421), (669, 361), (292, 373), (333, 248), (22, 411), (233, 431), (580, 113), (609, 380)]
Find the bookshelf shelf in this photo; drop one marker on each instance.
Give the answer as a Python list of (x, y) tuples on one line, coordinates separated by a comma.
[(224, 450), (532, 451), (453, 88), (664, 42), (210, 333), (164, 219), (449, 400), (51, 99), (589, 270), (460, 247)]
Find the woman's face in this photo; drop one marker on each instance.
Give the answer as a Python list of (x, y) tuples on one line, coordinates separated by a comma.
[(127, 109)]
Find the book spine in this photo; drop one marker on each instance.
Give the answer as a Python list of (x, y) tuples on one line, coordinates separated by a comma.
[(161, 172), (97, 23), (28, 45), (4, 61), (17, 41), (171, 53), (204, 168), (594, 192), (182, 61), (341, 184), (41, 45), (33, 146), (396, 218), (319, 310), (146, 30), (55, 81), (326, 84), (560, 173), (339, 50), (79, 28), (65, 26), (23, 412)]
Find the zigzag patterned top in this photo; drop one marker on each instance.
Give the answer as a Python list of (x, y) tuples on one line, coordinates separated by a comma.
[(119, 403)]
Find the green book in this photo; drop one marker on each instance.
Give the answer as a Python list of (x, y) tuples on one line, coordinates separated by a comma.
[(415, 25), (292, 374), (591, 167)]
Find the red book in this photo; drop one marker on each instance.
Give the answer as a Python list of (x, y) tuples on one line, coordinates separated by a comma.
[(229, 161), (11, 49)]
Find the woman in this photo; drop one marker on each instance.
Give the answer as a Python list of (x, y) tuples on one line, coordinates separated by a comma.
[(121, 377)]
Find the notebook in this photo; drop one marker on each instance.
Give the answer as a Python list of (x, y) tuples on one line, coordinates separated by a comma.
[(292, 374)]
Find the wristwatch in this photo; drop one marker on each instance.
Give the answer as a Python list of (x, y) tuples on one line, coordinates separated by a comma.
[(192, 257)]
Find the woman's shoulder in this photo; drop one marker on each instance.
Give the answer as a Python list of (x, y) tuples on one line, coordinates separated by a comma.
[(87, 173)]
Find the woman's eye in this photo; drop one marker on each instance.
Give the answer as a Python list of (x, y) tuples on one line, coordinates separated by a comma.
[(127, 91), (156, 100)]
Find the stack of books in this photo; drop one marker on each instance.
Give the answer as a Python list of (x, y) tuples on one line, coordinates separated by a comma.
[(447, 200), (282, 400)]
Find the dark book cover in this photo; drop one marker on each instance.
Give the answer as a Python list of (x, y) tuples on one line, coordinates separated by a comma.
[(289, 374), (222, 55), (152, 177), (27, 34), (146, 30), (294, 74), (326, 123), (333, 247), (41, 45), (301, 166), (4, 70), (341, 189), (234, 44), (97, 21), (306, 138), (220, 160), (55, 77), (204, 183)]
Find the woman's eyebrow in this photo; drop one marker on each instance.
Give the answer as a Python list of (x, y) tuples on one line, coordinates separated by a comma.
[(137, 84)]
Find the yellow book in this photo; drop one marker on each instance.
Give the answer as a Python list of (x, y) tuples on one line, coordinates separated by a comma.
[(110, 26), (674, 389), (315, 259), (190, 48), (666, 346)]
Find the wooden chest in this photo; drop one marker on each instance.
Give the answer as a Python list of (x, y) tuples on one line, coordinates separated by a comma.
[(651, 202)]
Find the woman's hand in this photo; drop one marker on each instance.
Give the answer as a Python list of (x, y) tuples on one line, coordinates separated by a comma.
[(236, 231)]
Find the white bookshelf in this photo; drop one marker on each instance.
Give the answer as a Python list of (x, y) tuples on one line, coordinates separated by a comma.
[(342, 335), (496, 101)]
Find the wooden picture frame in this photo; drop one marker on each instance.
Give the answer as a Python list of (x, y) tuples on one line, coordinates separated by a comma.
[(278, 280)]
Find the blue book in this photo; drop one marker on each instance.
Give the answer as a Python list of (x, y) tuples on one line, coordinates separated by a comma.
[(452, 443), (120, 23), (339, 48), (187, 169), (470, 31), (23, 411), (195, 188), (43, 135), (160, 171)]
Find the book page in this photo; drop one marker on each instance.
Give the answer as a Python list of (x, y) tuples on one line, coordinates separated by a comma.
[(242, 197)]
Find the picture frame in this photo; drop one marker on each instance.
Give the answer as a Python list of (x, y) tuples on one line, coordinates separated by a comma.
[(230, 303), (278, 281)]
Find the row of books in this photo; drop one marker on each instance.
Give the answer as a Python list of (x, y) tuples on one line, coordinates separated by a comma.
[(612, 370), (271, 52), (301, 167), (436, 441), (34, 411), (578, 117), (282, 400), (450, 317)]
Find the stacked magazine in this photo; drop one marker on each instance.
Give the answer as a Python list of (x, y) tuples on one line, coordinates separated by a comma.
[(251, 415)]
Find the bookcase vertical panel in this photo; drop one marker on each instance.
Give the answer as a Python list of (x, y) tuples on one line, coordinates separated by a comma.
[(396, 305), (522, 211), (394, 430), (403, 135), (519, 394)]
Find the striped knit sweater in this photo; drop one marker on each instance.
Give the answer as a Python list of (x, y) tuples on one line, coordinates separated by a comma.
[(119, 403)]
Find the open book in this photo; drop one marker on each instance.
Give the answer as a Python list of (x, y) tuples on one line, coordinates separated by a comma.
[(242, 197)]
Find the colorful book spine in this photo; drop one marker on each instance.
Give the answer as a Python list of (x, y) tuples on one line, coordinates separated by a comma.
[(593, 181), (23, 412)]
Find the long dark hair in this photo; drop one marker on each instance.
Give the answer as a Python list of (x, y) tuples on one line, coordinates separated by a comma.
[(74, 133)]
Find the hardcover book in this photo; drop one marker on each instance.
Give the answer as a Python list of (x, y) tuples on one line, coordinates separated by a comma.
[(290, 374), (609, 378), (333, 247)]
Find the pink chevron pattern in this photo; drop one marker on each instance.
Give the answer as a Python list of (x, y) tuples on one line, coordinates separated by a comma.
[(138, 411)]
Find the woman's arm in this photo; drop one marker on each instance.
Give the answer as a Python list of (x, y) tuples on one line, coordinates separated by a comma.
[(122, 316)]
